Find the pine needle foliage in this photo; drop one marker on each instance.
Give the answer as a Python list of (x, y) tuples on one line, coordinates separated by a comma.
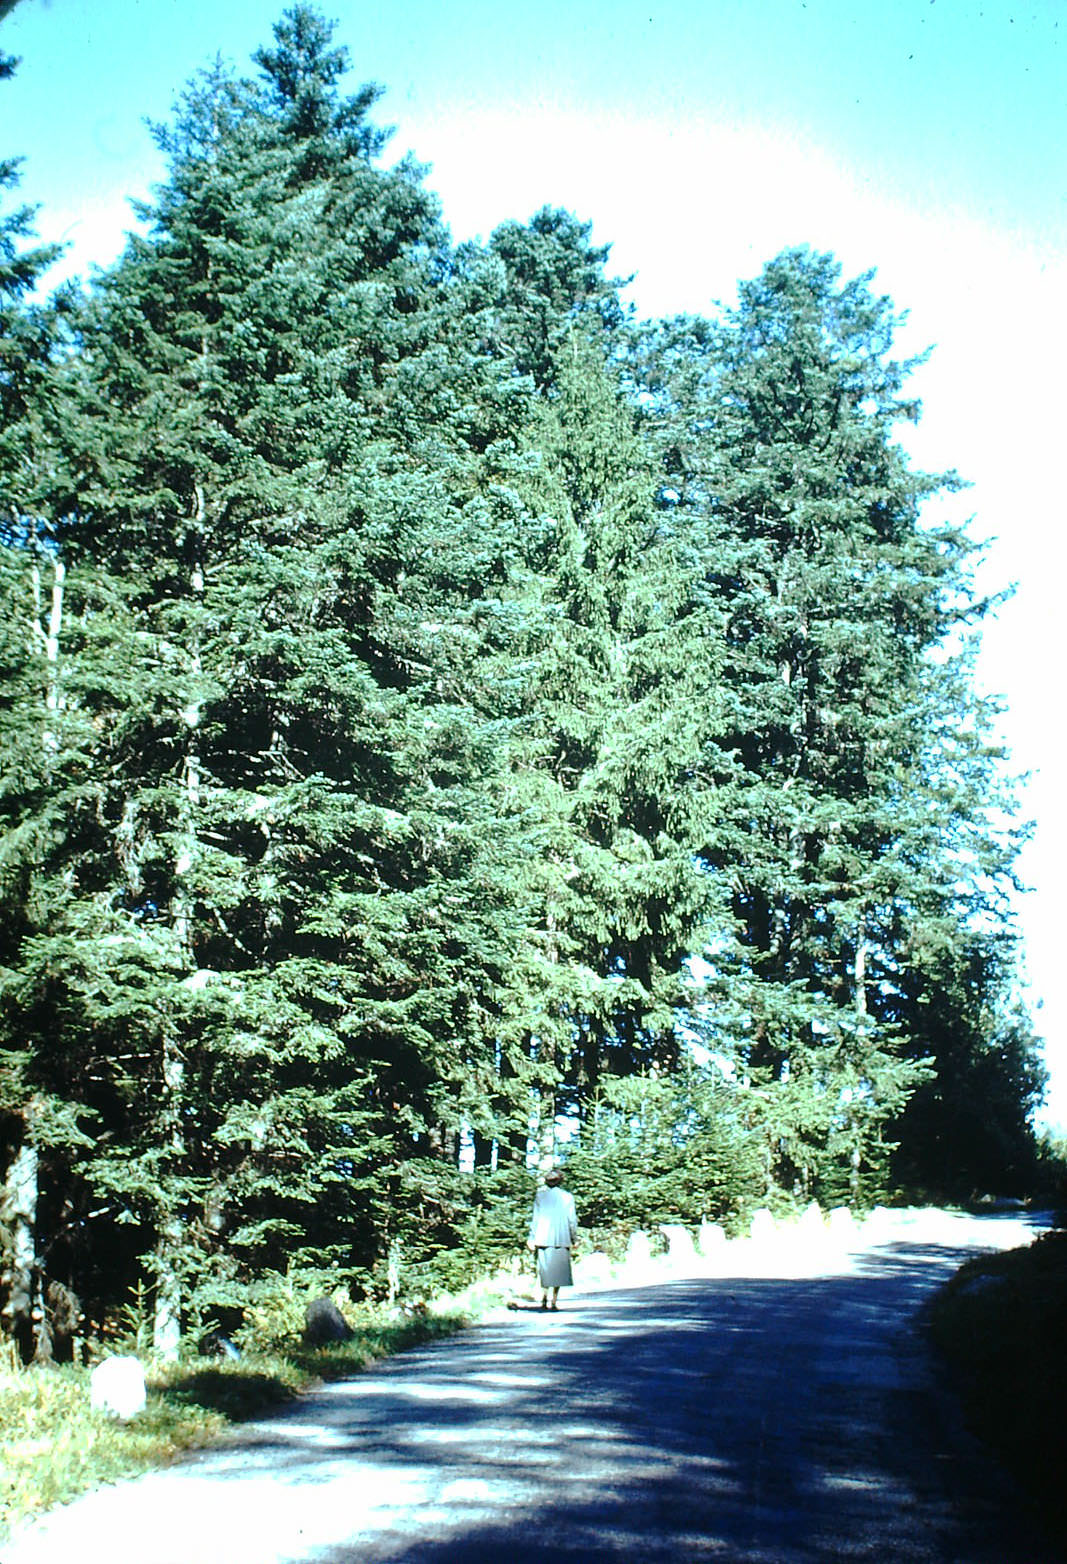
[(448, 724)]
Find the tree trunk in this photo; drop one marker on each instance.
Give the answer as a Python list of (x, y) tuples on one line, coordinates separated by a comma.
[(543, 1126), (46, 635), (167, 1319), (167, 1326), (19, 1215), (860, 1001), (23, 1312), (166, 1333), (860, 974)]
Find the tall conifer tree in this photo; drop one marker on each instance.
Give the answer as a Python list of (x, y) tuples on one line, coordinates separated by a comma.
[(621, 702), (838, 813), (35, 786), (301, 877), (408, 669)]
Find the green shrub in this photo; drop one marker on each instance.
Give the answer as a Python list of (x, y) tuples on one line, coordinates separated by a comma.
[(1000, 1324), (664, 1149)]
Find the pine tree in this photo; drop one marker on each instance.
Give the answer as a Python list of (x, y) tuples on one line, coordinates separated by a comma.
[(409, 672), (300, 920), (33, 1121), (838, 602), (621, 699), (967, 1130), (554, 280)]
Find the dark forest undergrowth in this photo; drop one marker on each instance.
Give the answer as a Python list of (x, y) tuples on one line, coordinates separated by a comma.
[(999, 1323)]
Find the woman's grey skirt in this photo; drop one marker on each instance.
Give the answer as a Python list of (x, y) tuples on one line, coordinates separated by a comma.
[(554, 1267)]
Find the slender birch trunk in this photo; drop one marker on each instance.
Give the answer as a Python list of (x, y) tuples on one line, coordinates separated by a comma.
[(542, 1137), (547, 1135), (859, 975)]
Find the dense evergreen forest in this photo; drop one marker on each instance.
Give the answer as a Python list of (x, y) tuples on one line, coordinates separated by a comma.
[(448, 722)]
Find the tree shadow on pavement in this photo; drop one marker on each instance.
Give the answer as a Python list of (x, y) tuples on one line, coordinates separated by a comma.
[(741, 1419)]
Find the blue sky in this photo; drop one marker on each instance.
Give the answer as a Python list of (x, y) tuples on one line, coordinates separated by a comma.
[(927, 138)]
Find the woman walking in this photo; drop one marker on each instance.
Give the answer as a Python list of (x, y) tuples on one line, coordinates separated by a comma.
[(553, 1234)]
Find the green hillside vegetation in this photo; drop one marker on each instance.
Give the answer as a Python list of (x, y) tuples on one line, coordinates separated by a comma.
[(448, 723)]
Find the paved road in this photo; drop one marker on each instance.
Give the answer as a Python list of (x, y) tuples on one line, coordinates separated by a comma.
[(772, 1420)]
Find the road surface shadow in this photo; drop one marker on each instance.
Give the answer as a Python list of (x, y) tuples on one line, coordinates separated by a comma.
[(758, 1421), (777, 1420)]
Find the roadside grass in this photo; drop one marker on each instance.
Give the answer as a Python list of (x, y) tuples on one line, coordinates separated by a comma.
[(55, 1446), (1001, 1323)]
